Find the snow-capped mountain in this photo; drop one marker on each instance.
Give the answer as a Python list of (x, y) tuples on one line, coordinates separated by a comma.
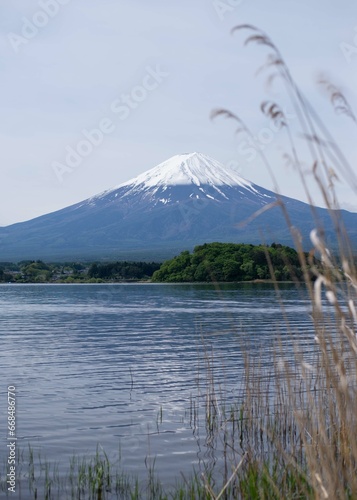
[(184, 176), (187, 200), (190, 169)]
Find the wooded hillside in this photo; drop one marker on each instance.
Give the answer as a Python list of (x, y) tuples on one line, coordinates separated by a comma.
[(230, 262)]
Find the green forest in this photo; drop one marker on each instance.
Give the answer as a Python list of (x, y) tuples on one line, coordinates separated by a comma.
[(208, 262), (75, 272), (231, 262), (122, 270)]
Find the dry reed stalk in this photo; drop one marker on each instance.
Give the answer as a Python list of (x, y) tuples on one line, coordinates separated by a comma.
[(313, 425)]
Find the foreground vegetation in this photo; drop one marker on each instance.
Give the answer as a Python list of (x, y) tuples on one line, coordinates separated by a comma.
[(280, 439)]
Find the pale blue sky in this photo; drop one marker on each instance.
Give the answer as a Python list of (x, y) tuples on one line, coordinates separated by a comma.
[(66, 75)]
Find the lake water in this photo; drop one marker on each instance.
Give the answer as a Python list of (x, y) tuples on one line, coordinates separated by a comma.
[(119, 365)]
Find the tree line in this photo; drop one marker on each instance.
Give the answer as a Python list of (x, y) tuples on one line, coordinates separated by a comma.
[(123, 270), (31, 271), (207, 263), (231, 262)]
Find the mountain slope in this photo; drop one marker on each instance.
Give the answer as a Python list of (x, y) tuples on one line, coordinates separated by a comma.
[(187, 200)]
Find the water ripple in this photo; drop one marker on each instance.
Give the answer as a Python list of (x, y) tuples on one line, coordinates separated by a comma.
[(109, 364)]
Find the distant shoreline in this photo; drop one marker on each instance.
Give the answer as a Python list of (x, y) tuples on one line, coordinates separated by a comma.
[(148, 282)]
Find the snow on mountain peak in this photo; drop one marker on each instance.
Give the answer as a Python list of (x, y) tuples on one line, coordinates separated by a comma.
[(207, 177), (187, 169)]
